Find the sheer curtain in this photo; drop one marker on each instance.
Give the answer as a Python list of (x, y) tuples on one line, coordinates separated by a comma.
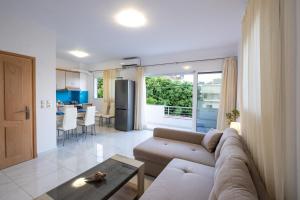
[(140, 99), (228, 93), (109, 77), (265, 95)]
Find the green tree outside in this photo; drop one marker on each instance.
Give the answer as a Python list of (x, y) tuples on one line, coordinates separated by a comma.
[(100, 88), (169, 92)]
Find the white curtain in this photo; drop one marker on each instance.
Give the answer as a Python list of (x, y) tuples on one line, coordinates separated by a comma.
[(109, 77), (140, 99), (228, 93), (261, 100), (266, 92)]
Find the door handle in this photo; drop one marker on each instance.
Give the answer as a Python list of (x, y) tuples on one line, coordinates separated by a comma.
[(26, 111)]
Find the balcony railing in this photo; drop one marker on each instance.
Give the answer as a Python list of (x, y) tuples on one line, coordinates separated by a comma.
[(177, 111), (157, 116)]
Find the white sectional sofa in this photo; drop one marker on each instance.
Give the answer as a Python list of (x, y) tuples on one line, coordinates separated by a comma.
[(185, 170)]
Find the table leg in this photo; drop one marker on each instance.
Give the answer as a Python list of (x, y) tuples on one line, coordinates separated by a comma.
[(140, 181)]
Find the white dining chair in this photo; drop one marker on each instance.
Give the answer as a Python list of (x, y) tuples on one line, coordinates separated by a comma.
[(111, 114), (99, 114), (69, 106), (69, 123), (89, 120)]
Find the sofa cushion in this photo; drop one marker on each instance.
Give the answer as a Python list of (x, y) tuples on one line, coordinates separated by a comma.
[(233, 181), (229, 132), (162, 151), (211, 140), (180, 180), (180, 135), (233, 148)]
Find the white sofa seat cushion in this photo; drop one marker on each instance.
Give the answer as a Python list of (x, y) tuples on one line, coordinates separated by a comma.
[(180, 180), (162, 151)]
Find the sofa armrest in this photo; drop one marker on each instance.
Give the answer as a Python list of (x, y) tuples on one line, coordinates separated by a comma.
[(183, 136)]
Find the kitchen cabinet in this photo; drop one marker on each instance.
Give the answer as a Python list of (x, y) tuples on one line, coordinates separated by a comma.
[(72, 80), (60, 80), (84, 81)]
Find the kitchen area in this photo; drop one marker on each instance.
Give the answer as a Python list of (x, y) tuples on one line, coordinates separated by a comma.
[(71, 88), (76, 89), (72, 92)]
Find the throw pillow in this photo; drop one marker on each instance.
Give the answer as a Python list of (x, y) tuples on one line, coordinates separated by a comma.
[(211, 140)]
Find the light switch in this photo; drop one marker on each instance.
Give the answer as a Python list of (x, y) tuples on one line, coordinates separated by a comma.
[(48, 104), (43, 104)]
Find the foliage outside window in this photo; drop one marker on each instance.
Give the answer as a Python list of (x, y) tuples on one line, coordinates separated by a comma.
[(169, 91), (99, 87)]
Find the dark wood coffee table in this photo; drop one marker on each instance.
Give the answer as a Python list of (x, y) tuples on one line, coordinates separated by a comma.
[(119, 170)]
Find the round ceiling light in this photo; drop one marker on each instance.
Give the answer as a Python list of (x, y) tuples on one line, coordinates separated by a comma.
[(186, 67), (79, 54), (130, 18)]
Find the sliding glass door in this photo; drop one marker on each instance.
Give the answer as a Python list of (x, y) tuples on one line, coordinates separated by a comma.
[(183, 101), (208, 99), (170, 101)]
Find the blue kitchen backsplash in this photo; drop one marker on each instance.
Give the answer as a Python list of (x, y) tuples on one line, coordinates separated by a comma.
[(83, 96), (67, 96)]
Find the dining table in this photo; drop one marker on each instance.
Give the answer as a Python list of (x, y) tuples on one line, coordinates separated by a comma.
[(60, 114)]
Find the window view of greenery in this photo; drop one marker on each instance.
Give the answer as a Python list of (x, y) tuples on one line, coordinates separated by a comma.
[(174, 92), (99, 88)]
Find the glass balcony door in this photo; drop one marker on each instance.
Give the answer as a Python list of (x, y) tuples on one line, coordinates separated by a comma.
[(208, 99), (170, 101)]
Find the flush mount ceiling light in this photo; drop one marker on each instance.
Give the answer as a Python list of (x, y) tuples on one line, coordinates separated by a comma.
[(186, 67), (79, 54), (130, 18)]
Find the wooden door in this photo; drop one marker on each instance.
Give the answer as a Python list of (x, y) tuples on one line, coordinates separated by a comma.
[(17, 139)]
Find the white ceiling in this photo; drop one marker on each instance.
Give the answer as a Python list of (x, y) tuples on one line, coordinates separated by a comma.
[(173, 25)]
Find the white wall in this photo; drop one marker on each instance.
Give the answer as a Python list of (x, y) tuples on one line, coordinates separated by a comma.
[(219, 52), (129, 74), (71, 65), (66, 64), (25, 37), (211, 65), (173, 57), (199, 66)]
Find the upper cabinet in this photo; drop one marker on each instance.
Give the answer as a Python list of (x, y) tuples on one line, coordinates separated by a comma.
[(72, 80), (60, 80), (84, 81)]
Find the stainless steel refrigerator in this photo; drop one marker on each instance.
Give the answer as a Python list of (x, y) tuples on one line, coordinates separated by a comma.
[(124, 102)]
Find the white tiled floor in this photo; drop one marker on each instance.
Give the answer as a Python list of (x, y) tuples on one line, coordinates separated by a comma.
[(35, 177)]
